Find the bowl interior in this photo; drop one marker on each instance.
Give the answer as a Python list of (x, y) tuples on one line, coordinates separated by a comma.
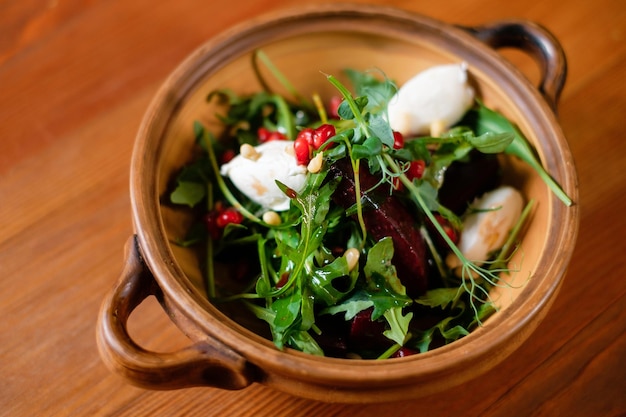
[(307, 50)]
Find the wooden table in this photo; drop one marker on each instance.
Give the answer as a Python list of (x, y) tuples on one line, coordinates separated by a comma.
[(75, 79)]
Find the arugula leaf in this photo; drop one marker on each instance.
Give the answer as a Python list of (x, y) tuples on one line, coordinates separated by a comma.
[(399, 325), (490, 142), (489, 120), (439, 297), (304, 341), (379, 265), (358, 302), (321, 282), (444, 328), (287, 312), (383, 285)]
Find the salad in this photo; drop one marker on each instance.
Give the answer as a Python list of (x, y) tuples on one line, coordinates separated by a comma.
[(371, 224)]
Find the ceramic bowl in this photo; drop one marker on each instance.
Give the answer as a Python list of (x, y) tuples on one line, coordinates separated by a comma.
[(225, 354)]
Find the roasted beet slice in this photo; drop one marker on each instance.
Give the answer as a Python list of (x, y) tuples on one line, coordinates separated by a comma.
[(385, 215), (465, 181), (366, 333), (334, 335)]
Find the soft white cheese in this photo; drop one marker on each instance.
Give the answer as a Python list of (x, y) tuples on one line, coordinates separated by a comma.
[(439, 96), (486, 228), (255, 177)]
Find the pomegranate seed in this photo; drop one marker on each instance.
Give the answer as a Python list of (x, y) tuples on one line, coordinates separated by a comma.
[(263, 134), (277, 136), (227, 156), (447, 227), (416, 169), (306, 134), (404, 351), (228, 216), (333, 111), (210, 221), (398, 140), (266, 135), (302, 150), (322, 134)]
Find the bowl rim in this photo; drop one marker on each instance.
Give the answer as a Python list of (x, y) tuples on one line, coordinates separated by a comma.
[(474, 347)]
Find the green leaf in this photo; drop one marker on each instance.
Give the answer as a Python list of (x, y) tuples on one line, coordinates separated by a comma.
[(351, 307), (347, 112), (379, 90), (321, 282), (307, 310), (383, 299), (188, 193), (448, 331), (383, 285), (303, 341), (379, 127), (379, 264), (484, 311), (489, 120), (490, 142), (399, 325), (287, 312), (429, 195), (439, 297), (370, 148)]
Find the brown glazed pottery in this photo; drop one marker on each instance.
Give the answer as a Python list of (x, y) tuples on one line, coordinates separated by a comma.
[(305, 44)]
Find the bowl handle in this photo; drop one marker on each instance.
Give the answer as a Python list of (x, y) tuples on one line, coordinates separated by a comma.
[(204, 363), (539, 43)]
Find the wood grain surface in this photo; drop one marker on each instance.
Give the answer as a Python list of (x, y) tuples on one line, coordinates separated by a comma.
[(75, 79)]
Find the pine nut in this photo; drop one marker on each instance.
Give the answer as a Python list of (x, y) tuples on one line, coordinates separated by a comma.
[(352, 257), (315, 165), (247, 151), (272, 218)]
